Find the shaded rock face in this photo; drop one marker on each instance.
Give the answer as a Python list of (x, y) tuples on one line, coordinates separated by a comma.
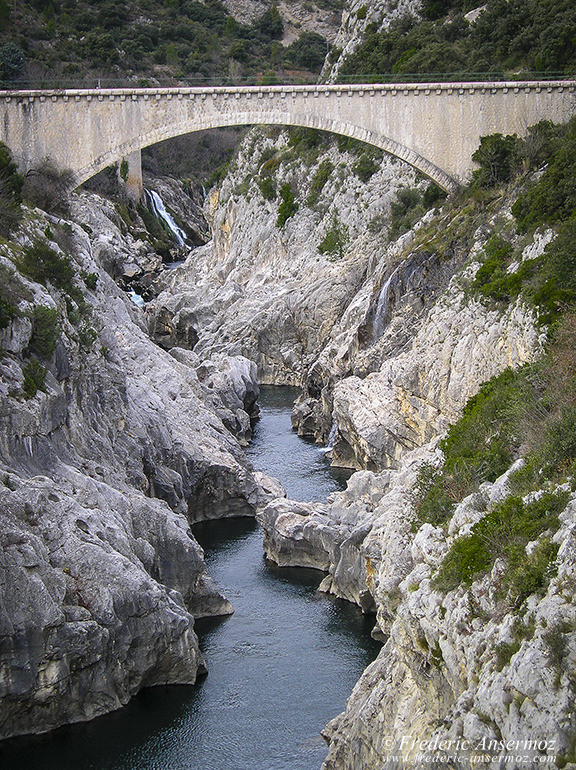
[(185, 203), (102, 470)]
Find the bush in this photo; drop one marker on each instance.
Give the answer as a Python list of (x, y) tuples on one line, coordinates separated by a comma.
[(47, 187), (320, 178), (11, 292), (87, 336), (288, 207), (42, 264), (90, 280), (45, 331), (10, 192), (499, 159), (12, 63), (34, 378), (271, 24), (336, 238), (7, 312), (267, 188), (309, 51), (504, 533), (552, 198), (365, 167), (477, 448), (493, 279)]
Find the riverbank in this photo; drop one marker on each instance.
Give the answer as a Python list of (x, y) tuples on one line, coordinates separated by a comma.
[(278, 669)]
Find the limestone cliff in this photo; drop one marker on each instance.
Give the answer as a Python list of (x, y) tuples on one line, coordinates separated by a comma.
[(110, 446), (386, 369), (267, 292)]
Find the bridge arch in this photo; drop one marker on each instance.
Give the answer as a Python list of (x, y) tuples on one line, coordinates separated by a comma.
[(302, 120)]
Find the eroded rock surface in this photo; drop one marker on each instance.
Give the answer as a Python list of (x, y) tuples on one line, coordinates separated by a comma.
[(103, 467)]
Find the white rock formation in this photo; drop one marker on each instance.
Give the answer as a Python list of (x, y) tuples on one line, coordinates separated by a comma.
[(102, 470)]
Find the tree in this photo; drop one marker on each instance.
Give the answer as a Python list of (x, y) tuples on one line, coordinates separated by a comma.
[(498, 157), (271, 24), (12, 62)]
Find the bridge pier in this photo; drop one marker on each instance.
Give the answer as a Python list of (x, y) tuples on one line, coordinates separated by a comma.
[(130, 175)]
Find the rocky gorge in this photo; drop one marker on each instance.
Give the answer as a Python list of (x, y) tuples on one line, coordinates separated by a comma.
[(391, 342), (314, 262), (109, 451)]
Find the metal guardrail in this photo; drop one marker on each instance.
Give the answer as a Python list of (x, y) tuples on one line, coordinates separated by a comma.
[(56, 83)]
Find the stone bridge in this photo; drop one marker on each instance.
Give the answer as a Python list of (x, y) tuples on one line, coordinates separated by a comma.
[(435, 127)]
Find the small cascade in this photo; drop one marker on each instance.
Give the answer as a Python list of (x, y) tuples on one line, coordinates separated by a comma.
[(382, 308), (136, 298), (159, 210), (331, 438)]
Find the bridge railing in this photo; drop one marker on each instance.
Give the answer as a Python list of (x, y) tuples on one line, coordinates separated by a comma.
[(61, 83)]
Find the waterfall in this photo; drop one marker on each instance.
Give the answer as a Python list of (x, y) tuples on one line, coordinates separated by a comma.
[(159, 210), (136, 298), (382, 307), (331, 438)]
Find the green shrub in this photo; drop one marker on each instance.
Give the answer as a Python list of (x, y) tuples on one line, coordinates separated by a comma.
[(478, 447), (12, 63), (267, 188), (42, 264), (7, 312), (90, 280), (321, 176), (10, 192), (45, 331), (557, 643), (504, 652), (86, 338), (493, 281), (308, 52), (270, 23), (336, 238), (365, 167), (123, 170), (499, 159), (34, 378), (47, 188), (552, 198), (468, 557), (504, 533), (288, 206)]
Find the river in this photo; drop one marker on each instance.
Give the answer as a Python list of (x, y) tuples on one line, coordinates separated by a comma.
[(279, 668)]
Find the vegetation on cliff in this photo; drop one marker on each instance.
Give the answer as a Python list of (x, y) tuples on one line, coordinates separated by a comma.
[(510, 37), (528, 413), (51, 40)]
